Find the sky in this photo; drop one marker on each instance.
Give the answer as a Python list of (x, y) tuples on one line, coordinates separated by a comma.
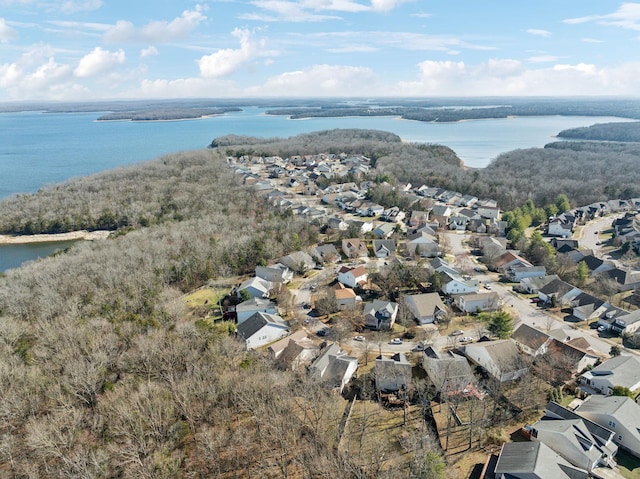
[(135, 49)]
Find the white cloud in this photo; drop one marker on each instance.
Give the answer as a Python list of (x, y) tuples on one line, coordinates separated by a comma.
[(75, 6), (149, 51), (353, 49), (591, 40), (421, 15), (319, 80), (508, 77), (6, 32), (98, 62), (626, 16), (539, 33), (385, 5), (226, 61), (10, 73), (278, 10), (543, 59), (157, 31)]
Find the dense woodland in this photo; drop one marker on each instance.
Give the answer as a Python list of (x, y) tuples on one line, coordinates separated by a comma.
[(101, 374), (164, 114), (624, 131)]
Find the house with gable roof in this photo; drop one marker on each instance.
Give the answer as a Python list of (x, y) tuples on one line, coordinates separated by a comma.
[(384, 248), (248, 308), (475, 302), (355, 248), (275, 274), (392, 373), (562, 291), (620, 414), (448, 373), (334, 367), (534, 460), (353, 277), (261, 329), (426, 308), (380, 314), (621, 370), (530, 340), (501, 359), (255, 288)]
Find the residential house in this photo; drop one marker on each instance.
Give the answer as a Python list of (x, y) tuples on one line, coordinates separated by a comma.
[(533, 284), (572, 439), (418, 218), (500, 359), (334, 367), (597, 265), (569, 359), (520, 272), (393, 373), (469, 200), (352, 277), (384, 230), (422, 244), (530, 340), (337, 223), (293, 352), (534, 460), (325, 253), (618, 371), (491, 212), (354, 248), (426, 308), (559, 227), (586, 306), (562, 291), (509, 259), (441, 214), (360, 227), (380, 314), (457, 284), (384, 248), (345, 297), (458, 222), (477, 302), (393, 215), (626, 280), (448, 373), (261, 329), (620, 414), (255, 288), (602, 435), (248, 308), (275, 274), (626, 323), (299, 261)]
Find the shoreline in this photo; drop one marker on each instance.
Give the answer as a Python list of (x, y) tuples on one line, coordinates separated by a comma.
[(53, 238)]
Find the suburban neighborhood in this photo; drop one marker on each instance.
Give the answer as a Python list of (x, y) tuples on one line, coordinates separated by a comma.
[(428, 299)]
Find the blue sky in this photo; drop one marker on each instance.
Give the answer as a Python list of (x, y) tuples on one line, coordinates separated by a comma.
[(102, 49)]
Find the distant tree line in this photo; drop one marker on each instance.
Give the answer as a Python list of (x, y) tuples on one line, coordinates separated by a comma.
[(160, 114), (623, 131)]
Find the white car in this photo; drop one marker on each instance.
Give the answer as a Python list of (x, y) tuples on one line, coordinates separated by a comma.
[(358, 338), (395, 341), (466, 339), (457, 332)]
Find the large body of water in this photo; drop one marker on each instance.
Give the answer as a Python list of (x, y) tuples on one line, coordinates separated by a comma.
[(37, 148)]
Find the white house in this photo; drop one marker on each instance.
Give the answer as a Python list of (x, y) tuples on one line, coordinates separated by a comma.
[(261, 329), (501, 359), (619, 414), (558, 227), (248, 308), (456, 284), (277, 273), (255, 288), (474, 302), (617, 371), (352, 277)]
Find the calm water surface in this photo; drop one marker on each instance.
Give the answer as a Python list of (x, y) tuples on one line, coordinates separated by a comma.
[(37, 149)]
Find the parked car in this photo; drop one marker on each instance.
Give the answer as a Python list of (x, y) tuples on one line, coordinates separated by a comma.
[(395, 341), (419, 347), (322, 332), (457, 332), (358, 338), (466, 339), (487, 286), (602, 328)]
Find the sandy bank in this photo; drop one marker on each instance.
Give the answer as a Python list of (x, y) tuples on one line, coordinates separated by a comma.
[(73, 235)]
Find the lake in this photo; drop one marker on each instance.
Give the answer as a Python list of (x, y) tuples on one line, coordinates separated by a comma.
[(37, 149), (13, 255)]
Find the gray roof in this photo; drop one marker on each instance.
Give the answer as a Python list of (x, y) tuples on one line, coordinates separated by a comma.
[(602, 434), (532, 459), (331, 365), (620, 370), (255, 303), (451, 372), (427, 303), (256, 322)]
